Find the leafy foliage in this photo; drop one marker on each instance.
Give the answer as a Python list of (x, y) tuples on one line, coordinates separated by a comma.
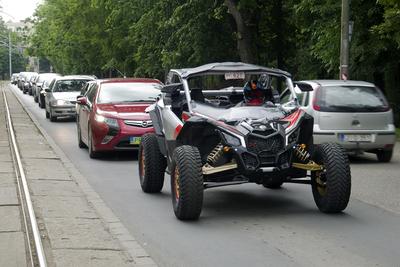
[(148, 37), (17, 59)]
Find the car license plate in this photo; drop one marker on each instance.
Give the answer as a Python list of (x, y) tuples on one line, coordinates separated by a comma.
[(133, 140), (234, 76), (366, 138)]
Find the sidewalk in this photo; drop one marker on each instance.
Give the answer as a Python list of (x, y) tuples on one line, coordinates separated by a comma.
[(12, 238), (77, 228)]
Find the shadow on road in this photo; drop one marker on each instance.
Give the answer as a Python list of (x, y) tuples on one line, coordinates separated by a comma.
[(65, 119), (254, 203), (119, 156), (364, 159)]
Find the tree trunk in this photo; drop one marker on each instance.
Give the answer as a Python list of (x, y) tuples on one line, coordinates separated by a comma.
[(279, 45), (244, 39)]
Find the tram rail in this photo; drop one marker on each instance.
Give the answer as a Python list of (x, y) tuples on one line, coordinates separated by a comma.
[(34, 242)]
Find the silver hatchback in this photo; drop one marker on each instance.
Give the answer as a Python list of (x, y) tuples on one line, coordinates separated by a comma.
[(354, 114)]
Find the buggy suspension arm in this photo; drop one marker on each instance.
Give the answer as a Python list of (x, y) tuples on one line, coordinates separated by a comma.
[(310, 166)]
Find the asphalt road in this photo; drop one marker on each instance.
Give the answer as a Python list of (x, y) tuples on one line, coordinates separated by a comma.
[(247, 225)]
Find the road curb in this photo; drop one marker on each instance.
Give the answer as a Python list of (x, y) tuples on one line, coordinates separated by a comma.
[(113, 224)]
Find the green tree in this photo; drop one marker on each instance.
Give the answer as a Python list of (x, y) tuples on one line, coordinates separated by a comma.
[(18, 61)]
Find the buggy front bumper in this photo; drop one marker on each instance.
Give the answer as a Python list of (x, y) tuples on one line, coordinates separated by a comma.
[(250, 163)]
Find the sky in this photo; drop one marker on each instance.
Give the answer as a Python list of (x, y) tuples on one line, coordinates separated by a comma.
[(17, 10)]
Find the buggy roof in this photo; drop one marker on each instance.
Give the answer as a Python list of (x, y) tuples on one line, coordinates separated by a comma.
[(223, 67)]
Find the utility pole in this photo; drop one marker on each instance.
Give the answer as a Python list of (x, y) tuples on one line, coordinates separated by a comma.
[(9, 53), (344, 41)]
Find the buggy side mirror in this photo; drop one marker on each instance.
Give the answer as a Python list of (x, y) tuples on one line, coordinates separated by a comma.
[(304, 87), (172, 88)]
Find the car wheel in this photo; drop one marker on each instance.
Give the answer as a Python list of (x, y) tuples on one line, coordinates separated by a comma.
[(187, 183), (81, 144), (41, 101), (51, 117), (384, 155), (331, 186), (92, 153), (152, 164), (47, 114)]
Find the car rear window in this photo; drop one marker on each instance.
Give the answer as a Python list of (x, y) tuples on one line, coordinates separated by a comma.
[(350, 99), (128, 92)]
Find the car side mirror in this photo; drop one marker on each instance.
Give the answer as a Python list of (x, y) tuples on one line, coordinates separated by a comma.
[(172, 88), (47, 90), (81, 100), (304, 87)]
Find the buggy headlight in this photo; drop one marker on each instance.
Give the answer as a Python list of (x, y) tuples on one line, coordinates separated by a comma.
[(230, 139)]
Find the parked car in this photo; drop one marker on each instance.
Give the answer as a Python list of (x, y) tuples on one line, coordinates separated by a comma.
[(27, 81), (110, 115), (31, 83), (205, 139), (21, 79), (61, 96), (14, 78), (41, 79), (354, 114)]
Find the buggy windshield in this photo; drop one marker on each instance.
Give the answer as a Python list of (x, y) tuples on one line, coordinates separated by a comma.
[(226, 90)]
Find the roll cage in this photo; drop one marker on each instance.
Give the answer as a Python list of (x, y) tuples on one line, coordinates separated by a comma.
[(180, 78)]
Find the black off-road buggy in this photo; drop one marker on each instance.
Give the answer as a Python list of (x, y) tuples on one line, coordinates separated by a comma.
[(206, 136)]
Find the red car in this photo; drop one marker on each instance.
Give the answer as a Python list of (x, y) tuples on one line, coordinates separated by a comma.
[(111, 113)]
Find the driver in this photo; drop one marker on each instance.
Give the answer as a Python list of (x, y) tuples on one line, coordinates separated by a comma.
[(254, 93)]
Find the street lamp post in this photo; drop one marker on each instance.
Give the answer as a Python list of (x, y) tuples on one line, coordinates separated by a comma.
[(9, 53), (344, 42)]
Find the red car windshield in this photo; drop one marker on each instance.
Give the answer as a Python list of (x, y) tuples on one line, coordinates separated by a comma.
[(128, 92)]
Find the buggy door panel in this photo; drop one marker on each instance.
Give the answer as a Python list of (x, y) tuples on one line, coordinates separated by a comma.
[(171, 123), (155, 115)]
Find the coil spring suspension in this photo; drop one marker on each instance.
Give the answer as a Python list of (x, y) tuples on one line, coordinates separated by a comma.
[(215, 154), (301, 153)]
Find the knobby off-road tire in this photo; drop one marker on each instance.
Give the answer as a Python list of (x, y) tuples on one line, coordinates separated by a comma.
[(187, 183), (152, 164), (384, 155), (331, 187)]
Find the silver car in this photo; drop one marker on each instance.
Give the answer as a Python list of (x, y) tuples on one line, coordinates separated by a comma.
[(61, 96), (38, 86), (354, 114)]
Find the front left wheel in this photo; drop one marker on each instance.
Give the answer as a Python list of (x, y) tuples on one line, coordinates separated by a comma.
[(331, 186), (92, 153), (187, 183), (81, 144), (152, 164), (51, 116)]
